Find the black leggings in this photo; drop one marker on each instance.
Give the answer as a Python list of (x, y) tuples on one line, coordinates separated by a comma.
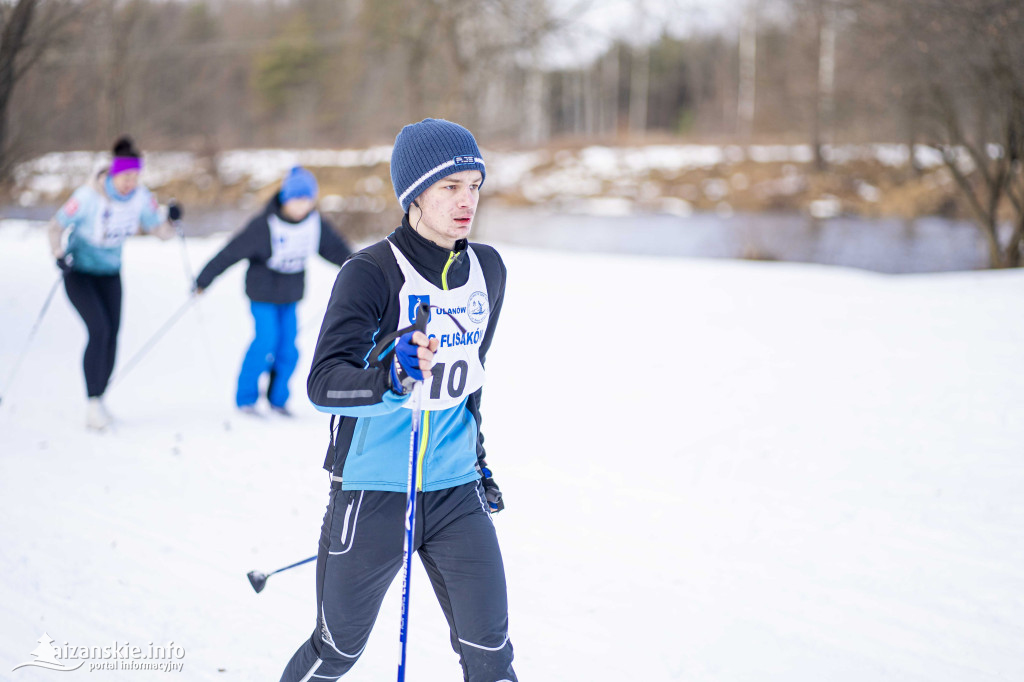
[(361, 545), (97, 298)]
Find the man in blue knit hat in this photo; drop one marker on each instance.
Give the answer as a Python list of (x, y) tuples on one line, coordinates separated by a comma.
[(366, 362), (276, 243)]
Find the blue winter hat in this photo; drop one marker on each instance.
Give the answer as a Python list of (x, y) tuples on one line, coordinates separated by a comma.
[(298, 184), (427, 151)]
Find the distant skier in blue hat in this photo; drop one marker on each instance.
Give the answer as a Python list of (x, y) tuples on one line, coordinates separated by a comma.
[(276, 243)]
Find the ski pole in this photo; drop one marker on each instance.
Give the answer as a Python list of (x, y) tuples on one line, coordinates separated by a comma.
[(127, 367), (31, 335), (186, 262), (258, 580), (422, 314), (190, 274)]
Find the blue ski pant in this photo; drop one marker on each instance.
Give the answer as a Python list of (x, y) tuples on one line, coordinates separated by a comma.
[(361, 545), (272, 349)]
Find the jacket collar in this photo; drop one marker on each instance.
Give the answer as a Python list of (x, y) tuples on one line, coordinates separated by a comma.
[(423, 253)]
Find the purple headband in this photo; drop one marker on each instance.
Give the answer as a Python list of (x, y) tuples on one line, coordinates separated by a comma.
[(125, 163)]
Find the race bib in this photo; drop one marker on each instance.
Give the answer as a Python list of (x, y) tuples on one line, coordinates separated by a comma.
[(458, 319), (291, 244)]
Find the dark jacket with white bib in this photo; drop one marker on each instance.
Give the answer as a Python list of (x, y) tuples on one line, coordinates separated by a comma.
[(372, 297), (277, 248)]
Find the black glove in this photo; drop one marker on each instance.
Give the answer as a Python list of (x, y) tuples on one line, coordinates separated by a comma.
[(64, 263), (174, 211), (491, 491)]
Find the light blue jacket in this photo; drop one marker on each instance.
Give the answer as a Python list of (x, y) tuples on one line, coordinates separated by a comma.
[(99, 221)]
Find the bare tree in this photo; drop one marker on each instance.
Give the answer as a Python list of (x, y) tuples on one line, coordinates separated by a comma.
[(825, 20), (27, 27), (958, 65), (746, 99)]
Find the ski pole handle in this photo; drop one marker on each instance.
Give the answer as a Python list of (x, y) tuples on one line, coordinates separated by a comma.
[(422, 316)]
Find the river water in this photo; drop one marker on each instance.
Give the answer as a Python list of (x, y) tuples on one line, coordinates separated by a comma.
[(882, 245)]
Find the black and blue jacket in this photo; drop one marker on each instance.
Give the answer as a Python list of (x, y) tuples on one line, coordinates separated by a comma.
[(370, 449), (263, 284)]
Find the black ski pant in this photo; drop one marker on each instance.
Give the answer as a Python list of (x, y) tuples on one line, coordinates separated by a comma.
[(97, 298), (360, 554)]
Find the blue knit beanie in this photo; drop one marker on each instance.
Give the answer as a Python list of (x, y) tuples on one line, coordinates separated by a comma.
[(298, 184), (427, 151)]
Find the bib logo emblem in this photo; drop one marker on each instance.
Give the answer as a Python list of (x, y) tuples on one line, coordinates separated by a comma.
[(414, 304), (477, 307)]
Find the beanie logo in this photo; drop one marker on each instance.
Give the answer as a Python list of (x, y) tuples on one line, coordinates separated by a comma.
[(462, 160)]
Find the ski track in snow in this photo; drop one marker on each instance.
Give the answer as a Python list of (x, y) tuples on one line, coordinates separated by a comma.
[(714, 471)]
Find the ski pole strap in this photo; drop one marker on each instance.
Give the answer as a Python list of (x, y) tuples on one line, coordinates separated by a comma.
[(383, 347), (332, 447)]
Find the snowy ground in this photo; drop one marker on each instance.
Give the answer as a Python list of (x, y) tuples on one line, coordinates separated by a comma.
[(714, 471)]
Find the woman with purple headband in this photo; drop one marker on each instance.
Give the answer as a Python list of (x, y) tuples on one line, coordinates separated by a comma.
[(97, 218)]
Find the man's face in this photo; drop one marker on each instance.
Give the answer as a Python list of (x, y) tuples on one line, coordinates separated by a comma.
[(447, 207)]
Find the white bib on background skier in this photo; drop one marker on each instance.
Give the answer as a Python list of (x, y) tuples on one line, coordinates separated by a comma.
[(114, 221), (291, 244)]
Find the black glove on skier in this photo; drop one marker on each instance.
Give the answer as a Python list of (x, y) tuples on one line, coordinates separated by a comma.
[(64, 263), (174, 211), (491, 491)]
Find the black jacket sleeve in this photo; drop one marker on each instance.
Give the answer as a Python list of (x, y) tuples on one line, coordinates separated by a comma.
[(338, 377), (248, 243), (333, 246)]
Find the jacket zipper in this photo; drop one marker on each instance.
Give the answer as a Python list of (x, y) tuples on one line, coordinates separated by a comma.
[(425, 424), (444, 273)]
